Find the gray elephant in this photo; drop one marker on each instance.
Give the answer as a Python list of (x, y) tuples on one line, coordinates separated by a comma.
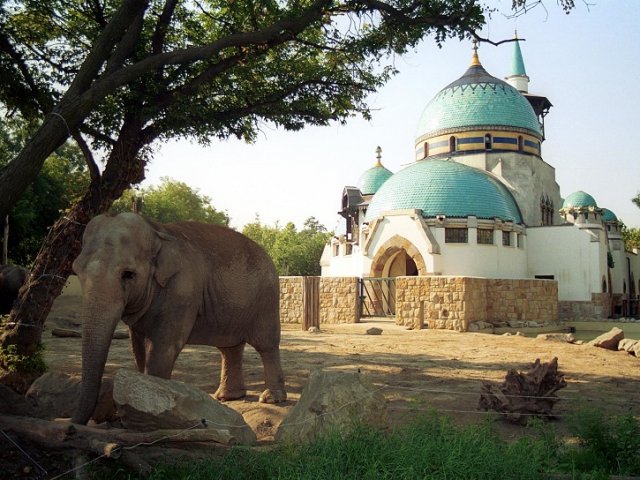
[(176, 284), (12, 277)]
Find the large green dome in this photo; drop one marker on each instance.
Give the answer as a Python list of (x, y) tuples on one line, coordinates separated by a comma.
[(477, 100), (372, 179), (444, 187)]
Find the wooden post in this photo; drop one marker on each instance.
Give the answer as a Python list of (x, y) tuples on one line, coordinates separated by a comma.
[(310, 302)]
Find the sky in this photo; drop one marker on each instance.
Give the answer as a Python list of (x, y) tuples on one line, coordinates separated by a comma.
[(586, 63)]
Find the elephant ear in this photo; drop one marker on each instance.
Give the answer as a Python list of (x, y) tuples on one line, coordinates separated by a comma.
[(167, 258)]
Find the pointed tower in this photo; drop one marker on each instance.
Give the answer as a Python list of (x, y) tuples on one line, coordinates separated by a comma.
[(518, 78)]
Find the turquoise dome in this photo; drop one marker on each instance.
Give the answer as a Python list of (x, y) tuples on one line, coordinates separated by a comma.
[(579, 199), (609, 216), (444, 187), (371, 180), (477, 100)]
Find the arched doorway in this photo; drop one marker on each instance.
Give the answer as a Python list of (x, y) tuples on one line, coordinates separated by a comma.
[(396, 258)]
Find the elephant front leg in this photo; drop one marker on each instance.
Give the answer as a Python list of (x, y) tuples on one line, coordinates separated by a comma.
[(273, 377), (231, 379)]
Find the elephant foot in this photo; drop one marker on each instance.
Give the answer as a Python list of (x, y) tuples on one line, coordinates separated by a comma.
[(273, 396), (226, 395)]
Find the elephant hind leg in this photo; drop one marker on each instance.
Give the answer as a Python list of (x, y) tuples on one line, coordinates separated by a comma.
[(231, 380), (138, 348), (273, 377)]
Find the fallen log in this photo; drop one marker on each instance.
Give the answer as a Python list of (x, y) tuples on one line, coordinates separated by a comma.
[(64, 435), (525, 394)]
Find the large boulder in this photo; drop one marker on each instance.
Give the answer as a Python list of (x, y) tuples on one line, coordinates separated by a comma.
[(56, 394), (333, 401), (628, 345), (147, 403), (608, 340)]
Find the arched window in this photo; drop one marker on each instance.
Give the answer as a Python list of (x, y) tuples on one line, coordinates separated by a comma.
[(452, 144), (426, 149), (604, 285), (520, 143), (488, 142)]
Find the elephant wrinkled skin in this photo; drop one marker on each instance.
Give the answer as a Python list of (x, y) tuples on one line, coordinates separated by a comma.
[(176, 284)]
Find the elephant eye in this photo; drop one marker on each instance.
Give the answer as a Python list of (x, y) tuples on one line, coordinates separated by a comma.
[(128, 275)]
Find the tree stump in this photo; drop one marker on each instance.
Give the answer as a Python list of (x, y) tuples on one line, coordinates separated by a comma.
[(525, 394)]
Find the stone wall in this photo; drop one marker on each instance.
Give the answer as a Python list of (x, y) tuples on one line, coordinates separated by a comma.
[(455, 302), (291, 300), (338, 300), (597, 308), (431, 301)]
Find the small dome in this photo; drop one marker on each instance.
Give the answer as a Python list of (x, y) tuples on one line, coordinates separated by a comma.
[(372, 179), (579, 199), (444, 187), (477, 100), (609, 216)]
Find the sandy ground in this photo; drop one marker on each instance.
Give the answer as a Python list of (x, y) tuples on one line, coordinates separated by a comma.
[(415, 370)]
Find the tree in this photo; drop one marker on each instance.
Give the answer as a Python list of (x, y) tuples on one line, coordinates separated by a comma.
[(61, 181), (151, 70), (293, 252), (631, 237), (172, 201), (636, 200)]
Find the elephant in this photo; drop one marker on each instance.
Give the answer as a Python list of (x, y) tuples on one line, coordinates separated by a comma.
[(12, 277), (176, 284)]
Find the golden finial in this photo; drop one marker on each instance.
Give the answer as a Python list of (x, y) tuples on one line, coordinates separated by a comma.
[(475, 60), (378, 156)]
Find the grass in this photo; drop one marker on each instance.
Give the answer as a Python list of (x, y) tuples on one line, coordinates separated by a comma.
[(432, 448)]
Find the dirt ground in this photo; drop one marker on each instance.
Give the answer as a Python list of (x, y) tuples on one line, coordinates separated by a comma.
[(416, 370)]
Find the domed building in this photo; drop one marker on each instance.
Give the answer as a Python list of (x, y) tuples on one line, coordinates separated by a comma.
[(479, 205)]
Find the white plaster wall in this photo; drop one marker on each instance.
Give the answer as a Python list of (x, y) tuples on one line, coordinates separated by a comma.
[(490, 261), (569, 254)]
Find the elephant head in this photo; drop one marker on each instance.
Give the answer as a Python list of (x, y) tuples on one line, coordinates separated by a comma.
[(123, 260)]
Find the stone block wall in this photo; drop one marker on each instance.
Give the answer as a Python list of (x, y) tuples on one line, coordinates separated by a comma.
[(455, 302), (440, 302), (522, 300), (597, 308), (291, 300), (338, 300)]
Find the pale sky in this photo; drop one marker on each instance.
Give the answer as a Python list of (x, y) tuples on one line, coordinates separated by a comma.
[(586, 63)]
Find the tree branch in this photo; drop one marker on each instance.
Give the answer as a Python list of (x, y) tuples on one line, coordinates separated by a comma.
[(94, 172)]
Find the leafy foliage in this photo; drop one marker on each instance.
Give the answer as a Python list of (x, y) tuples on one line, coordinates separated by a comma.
[(608, 444), (61, 181), (293, 252), (14, 362), (631, 237), (172, 201)]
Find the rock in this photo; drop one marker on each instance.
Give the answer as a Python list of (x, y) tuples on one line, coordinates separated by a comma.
[(374, 331), (608, 340), (627, 345), (557, 337), (533, 324), (56, 394), (313, 329), (65, 333), (120, 334), (473, 327), (516, 324), (333, 401), (636, 349), (147, 403)]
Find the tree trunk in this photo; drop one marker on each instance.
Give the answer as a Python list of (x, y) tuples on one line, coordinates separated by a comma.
[(52, 266)]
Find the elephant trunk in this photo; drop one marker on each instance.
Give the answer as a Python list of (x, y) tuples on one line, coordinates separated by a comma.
[(99, 320)]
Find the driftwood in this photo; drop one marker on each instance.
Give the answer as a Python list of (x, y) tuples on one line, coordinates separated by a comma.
[(522, 395), (138, 450)]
